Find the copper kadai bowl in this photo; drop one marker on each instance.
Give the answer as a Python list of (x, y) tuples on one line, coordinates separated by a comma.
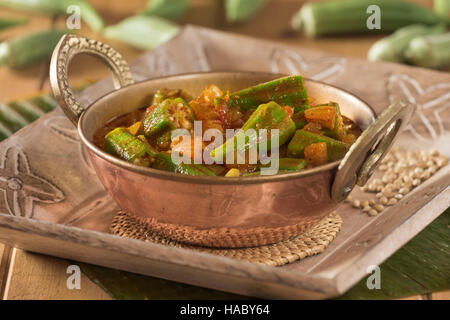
[(219, 211)]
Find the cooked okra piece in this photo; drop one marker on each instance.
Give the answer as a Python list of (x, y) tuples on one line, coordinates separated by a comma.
[(122, 143), (292, 164), (163, 161), (287, 91), (335, 149), (299, 119), (164, 94), (267, 116), (258, 173), (329, 117), (194, 170), (168, 115)]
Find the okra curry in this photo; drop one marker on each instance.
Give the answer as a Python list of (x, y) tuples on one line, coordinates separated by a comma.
[(309, 133)]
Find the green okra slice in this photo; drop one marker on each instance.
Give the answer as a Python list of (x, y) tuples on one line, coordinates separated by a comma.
[(267, 116), (338, 131), (335, 149), (299, 119), (258, 173), (287, 91), (163, 161), (168, 115), (194, 170), (163, 94), (121, 143), (292, 164)]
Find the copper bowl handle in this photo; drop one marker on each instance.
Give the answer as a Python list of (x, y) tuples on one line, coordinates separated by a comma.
[(68, 47), (369, 149)]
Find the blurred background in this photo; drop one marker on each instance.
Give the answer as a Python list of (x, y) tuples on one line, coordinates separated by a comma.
[(274, 20)]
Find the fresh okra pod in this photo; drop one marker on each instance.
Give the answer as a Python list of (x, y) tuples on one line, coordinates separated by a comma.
[(143, 32), (392, 48), (302, 139), (169, 9), (287, 91), (240, 10), (432, 51), (26, 50), (168, 115), (267, 116), (8, 23), (58, 7), (350, 16)]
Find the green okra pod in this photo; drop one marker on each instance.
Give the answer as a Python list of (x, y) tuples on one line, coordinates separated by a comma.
[(163, 161), (267, 116), (335, 149), (8, 23), (287, 91), (142, 31), (168, 115), (195, 170), (123, 144), (350, 16), (163, 94), (290, 164), (392, 48), (169, 9), (25, 50), (432, 51), (58, 7), (241, 10)]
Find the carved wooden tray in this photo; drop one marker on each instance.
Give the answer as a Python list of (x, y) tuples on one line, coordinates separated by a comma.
[(53, 203)]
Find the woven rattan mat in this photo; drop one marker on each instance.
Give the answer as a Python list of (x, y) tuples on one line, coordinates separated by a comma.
[(311, 242)]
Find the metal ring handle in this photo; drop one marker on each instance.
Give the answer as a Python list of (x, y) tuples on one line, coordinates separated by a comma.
[(369, 149), (68, 47)]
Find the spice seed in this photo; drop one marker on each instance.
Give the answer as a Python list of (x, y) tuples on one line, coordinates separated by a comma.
[(398, 196), (392, 201), (356, 204), (384, 200), (379, 207), (366, 209), (372, 212)]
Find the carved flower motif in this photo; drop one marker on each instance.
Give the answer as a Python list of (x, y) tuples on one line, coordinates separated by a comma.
[(432, 105), (21, 188)]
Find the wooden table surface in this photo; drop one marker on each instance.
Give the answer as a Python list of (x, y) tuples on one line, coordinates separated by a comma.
[(25, 275)]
